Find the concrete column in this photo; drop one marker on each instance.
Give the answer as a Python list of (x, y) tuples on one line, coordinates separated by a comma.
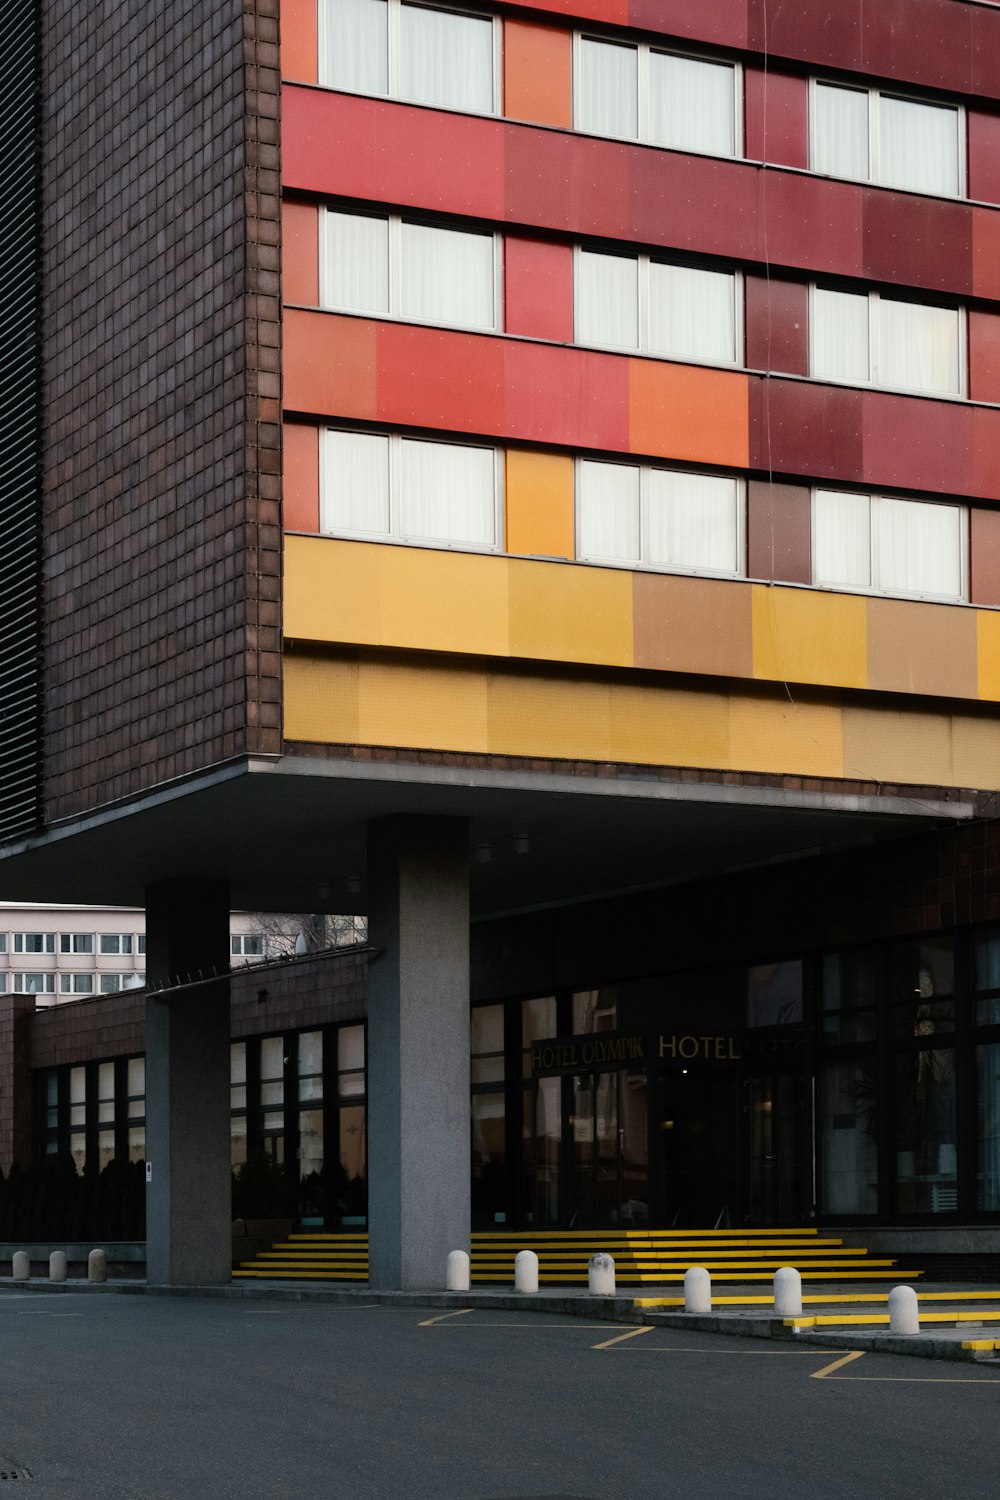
[(188, 1191), (418, 1050)]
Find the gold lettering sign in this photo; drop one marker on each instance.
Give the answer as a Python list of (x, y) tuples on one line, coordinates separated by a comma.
[(699, 1048)]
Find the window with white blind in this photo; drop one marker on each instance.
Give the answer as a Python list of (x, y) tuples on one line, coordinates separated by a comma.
[(398, 268), (641, 517), (429, 54), (878, 137), (681, 312), (867, 338), (384, 486), (637, 92), (881, 544)]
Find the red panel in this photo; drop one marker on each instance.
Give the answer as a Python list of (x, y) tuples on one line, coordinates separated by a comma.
[(777, 325), (825, 34), (923, 41), (300, 489), (328, 366), (984, 156), (984, 557), (779, 532), (810, 222), (797, 427), (298, 40), (568, 396), (694, 203), (300, 253), (984, 50), (391, 153), (916, 444), (918, 241), (431, 378), (775, 108), (614, 12), (721, 21), (984, 356), (570, 182), (986, 253), (985, 452), (538, 289)]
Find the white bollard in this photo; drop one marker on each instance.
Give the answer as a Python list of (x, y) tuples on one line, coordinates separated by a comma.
[(904, 1316), (97, 1266), (697, 1290), (787, 1292), (21, 1266), (57, 1265), (601, 1275), (457, 1274), (526, 1271)]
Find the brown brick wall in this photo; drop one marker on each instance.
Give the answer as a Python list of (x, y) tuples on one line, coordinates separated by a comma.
[(16, 1019), (162, 392)]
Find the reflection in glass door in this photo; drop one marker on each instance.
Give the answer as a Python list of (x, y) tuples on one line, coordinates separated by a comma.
[(605, 1136), (774, 1167)]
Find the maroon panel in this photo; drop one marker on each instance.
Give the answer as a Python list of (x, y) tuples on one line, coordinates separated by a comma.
[(812, 222), (779, 532), (923, 41), (829, 35), (777, 325), (917, 241), (723, 21), (985, 50), (800, 428), (915, 444), (984, 156), (569, 182), (984, 355), (538, 288), (692, 202), (984, 556), (985, 452), (775, 110)]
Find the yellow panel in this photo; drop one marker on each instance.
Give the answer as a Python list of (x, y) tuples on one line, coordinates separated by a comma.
[(540, 504), (443, 601), (975, 751), (422, 706), (800, 635), (321, 699), (331, 590), (663, 726), (547, 716), (884, 744), (988, 634), (566, 613), (774, 733)]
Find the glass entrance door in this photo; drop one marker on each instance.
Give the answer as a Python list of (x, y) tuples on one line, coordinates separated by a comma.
[(774, 1184), (604, 1178)]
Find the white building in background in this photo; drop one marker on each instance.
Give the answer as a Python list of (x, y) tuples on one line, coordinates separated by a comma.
[(63, 953)]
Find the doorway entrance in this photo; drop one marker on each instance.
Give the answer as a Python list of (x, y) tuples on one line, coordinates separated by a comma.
[(591, 1150), (774, 1178)]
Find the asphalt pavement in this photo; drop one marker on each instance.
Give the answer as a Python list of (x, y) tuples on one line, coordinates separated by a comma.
[(150, 1398)]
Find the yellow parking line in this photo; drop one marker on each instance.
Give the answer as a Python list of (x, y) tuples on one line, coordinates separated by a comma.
[(459, 1312), (846, 1359), (621, 1337)]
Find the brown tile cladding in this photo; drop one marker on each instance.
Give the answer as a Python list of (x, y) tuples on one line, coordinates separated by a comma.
[(162, 392)]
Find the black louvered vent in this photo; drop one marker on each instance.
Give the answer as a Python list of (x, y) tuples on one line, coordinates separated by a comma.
[(20, 420)]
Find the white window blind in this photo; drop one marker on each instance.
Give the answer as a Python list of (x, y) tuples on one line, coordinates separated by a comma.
[(890, 545), (634, 92), (632, 302), (384, 486), (659, 518), (868, 338), (393, 267), (692, 104), (430, 54), (878, 137)]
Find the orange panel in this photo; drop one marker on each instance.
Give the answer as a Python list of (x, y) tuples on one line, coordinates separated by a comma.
[(300, 253), (537, 73), (299, 50), (984, 355), (681, 411), (539, 504), (301, 476), (329, 365)]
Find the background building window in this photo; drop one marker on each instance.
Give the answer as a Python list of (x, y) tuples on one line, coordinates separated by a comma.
[(888, 545), (34, 942), (633, 302), (116, 942), (398, 268), (76, 942), (424, 53), (867, 338), (382, 486), (877, 137), (76, 984), (638, 93), (34, 984), (659, 518)]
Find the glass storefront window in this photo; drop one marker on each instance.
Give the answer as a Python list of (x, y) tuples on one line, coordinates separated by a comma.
[(136, 1088), (538, 1022), (487, 1044), (352, 1185), (310, 1065), (988, 1127), (272, 1070), (136, 1143), (594, 1010), (238, 1140), (850, 983), (351, 1062), (924, 969), (774, 994), (545, 1152), (106, 1094), (848, 1131), (986, 975), (77, 1096), (926, 1156), (238, 1075), (489, 1158)]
